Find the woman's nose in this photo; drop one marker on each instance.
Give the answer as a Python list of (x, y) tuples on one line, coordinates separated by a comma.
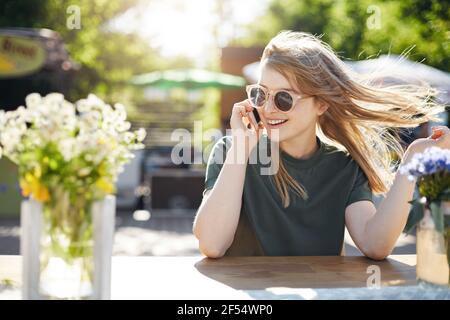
[(269, 106)]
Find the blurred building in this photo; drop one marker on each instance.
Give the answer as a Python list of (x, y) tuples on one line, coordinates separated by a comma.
[(32, 60)]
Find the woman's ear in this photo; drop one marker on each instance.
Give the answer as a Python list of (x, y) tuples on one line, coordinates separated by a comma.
[(322, 107)]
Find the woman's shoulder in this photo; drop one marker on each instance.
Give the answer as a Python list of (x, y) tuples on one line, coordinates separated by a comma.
[(338, 156), (218, 149), (332, 151)]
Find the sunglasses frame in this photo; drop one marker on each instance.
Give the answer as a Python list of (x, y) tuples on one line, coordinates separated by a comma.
[(270, 95)]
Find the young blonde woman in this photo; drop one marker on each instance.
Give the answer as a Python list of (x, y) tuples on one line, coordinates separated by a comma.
[(336, 141)]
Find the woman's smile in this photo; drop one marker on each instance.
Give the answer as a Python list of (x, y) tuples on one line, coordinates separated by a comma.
[(275, 123)]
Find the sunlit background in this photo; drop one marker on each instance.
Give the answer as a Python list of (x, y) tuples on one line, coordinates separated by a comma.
[(113, 47), (194, 29)]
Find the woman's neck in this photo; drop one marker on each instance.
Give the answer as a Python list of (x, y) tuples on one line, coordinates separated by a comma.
[(300, 147)]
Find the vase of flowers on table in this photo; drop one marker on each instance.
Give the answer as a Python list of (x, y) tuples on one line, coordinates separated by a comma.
[(68, 157), (432, 171)]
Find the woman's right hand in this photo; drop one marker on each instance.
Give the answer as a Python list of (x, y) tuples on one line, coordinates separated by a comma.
[(243, 125)]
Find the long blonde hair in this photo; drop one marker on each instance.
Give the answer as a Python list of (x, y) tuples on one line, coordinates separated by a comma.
[(362, 118)]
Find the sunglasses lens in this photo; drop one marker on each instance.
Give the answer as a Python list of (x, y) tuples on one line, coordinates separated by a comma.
[(257, 97), (283, 101)]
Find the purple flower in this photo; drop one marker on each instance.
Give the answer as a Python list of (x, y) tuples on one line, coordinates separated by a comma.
[(432, 160)]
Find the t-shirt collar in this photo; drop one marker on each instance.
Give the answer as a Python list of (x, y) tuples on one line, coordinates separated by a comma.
[(305, 163)]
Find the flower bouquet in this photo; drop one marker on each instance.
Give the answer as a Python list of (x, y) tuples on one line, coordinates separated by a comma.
[(432, 171), (68, 157)]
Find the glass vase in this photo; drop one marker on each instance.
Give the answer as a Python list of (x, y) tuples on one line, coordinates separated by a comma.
[(432, 250), (66, 248)]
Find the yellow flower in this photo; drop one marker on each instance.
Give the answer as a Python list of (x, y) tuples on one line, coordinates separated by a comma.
[(26, 189), (37, 172), (105, 185), (31, 185), (103, 168), (42, 194)]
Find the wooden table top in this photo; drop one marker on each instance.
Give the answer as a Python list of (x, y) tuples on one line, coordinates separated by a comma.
[(233, 277)]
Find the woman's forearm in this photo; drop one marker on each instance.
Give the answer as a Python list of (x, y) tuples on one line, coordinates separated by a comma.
[(218, 215), (384, 228)]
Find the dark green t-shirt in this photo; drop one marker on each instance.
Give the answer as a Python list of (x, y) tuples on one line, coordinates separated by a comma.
[(332, 179)]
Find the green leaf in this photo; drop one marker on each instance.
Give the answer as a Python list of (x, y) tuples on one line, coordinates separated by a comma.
[(445, 195), (447, 221), (437, 215), (415, 215)]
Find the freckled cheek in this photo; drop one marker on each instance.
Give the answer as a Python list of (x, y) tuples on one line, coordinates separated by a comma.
[(305, 113), (299, 118)]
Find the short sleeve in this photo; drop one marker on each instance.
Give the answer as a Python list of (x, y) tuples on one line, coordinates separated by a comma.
[(360, 190), (215, 162)]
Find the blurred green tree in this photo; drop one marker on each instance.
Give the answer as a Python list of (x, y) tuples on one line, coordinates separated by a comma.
[(361, 29), (108, 58)]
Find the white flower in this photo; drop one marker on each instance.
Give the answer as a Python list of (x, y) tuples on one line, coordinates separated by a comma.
[(120, 111), (82, 106), (67, 147), (123, 126), (95, 102), (98, 133), (84, 172), (92, 118), (128, 137), (107, 111), (33, 100), (53, 98), (21, 112), (140, 134)]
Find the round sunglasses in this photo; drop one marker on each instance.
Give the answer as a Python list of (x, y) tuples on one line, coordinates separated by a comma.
[(282, 99)]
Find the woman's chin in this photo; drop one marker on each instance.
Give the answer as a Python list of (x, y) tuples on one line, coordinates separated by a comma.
[(275, 135)]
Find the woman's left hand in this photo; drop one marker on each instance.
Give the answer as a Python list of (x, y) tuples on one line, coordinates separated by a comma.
[(440, 138)]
